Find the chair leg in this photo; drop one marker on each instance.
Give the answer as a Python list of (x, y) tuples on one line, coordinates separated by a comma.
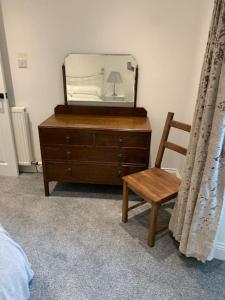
[(125, 203), (153, 224)]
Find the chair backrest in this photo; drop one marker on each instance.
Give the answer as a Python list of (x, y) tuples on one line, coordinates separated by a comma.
[(164, 140)]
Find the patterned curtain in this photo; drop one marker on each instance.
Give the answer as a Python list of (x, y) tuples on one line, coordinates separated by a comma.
[(197, 211)]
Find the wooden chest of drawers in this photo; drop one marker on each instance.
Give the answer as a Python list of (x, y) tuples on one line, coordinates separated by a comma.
[(90, 148)]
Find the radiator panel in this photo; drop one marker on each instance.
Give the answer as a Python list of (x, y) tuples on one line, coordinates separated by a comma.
[(22, 136)]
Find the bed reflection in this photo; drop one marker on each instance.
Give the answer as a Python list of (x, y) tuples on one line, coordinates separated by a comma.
[(104, 80)]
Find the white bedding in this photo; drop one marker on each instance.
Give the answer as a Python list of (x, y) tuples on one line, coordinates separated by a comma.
[(15, 270), (84, 93), (79, 97)]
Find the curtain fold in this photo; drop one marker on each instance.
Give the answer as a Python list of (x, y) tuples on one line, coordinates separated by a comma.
[(197, 211)]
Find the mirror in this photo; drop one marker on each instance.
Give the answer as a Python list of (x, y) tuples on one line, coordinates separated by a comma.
[(100, 80)]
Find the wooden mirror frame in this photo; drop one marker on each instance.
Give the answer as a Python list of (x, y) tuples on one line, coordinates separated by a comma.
[(65, 88)]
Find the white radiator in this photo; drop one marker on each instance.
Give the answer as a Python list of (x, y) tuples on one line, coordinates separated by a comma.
[(22, 136)]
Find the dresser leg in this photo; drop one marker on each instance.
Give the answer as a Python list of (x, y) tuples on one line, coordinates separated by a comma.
[(46, 185), (125, 203)]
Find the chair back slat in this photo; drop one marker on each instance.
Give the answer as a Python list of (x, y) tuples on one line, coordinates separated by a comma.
[(180, 125), (175, 147), (164, 138), (165, 144)]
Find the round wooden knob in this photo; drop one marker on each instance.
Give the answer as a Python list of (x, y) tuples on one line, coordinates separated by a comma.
[(69, 170), (119, 173), (120, 155), (68, 154), (67, 139), (120, 142)]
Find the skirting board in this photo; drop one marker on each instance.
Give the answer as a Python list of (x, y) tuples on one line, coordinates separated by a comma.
[(219, 251), (33, 168), (173, 171)]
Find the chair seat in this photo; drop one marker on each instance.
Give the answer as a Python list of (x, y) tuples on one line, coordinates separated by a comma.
[(154, 185)]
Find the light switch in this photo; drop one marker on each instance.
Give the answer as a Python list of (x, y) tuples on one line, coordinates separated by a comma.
[(22, 63), (22, 60)]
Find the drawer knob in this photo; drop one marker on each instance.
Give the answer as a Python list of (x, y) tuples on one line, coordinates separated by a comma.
[(67, 139), (69, 171), (120, 140), (68, 154), (119, 173), (120, 155)]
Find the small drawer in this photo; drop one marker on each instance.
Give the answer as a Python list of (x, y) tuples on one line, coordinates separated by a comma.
[(65, 137), (70, 153), (59, 171), (131, 155), (122, 140)]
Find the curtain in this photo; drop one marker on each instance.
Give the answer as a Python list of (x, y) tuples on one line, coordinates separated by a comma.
[(197, 211)]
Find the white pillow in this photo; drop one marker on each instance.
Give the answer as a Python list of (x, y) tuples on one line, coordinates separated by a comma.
[(75, 96), (84, 89)]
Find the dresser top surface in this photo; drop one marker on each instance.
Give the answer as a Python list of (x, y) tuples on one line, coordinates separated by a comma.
[(97, 122)]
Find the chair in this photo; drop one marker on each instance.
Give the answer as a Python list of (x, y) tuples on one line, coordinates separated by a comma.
[(155, 185)]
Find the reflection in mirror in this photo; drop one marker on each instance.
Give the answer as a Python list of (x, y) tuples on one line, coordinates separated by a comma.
[(100, 80)]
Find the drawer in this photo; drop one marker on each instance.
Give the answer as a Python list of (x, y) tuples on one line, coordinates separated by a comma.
[(70, 153), (82, 154), (139, 140), (89, 173), (136, 156), (65, 137)]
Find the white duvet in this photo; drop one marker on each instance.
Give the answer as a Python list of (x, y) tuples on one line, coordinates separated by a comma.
[(84, 92), (15, 270)]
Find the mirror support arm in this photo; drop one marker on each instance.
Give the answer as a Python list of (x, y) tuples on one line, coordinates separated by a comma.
[(64, 84), (135, 87)]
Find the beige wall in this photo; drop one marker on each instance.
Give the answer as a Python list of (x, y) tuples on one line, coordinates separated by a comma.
[(168, 39)]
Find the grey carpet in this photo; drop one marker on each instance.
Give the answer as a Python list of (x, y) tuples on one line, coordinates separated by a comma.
[(80, 250)]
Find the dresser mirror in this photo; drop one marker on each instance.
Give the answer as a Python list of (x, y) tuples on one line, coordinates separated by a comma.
[(100, 80)]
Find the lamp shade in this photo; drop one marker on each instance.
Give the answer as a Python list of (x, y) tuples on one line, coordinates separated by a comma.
[(114, 77)]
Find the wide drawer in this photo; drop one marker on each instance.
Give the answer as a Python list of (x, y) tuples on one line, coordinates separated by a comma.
[(65, 136), (89, 173), (99, 154), (140, 140)]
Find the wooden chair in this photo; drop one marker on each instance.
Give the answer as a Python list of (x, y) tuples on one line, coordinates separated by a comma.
[(155, 185)]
